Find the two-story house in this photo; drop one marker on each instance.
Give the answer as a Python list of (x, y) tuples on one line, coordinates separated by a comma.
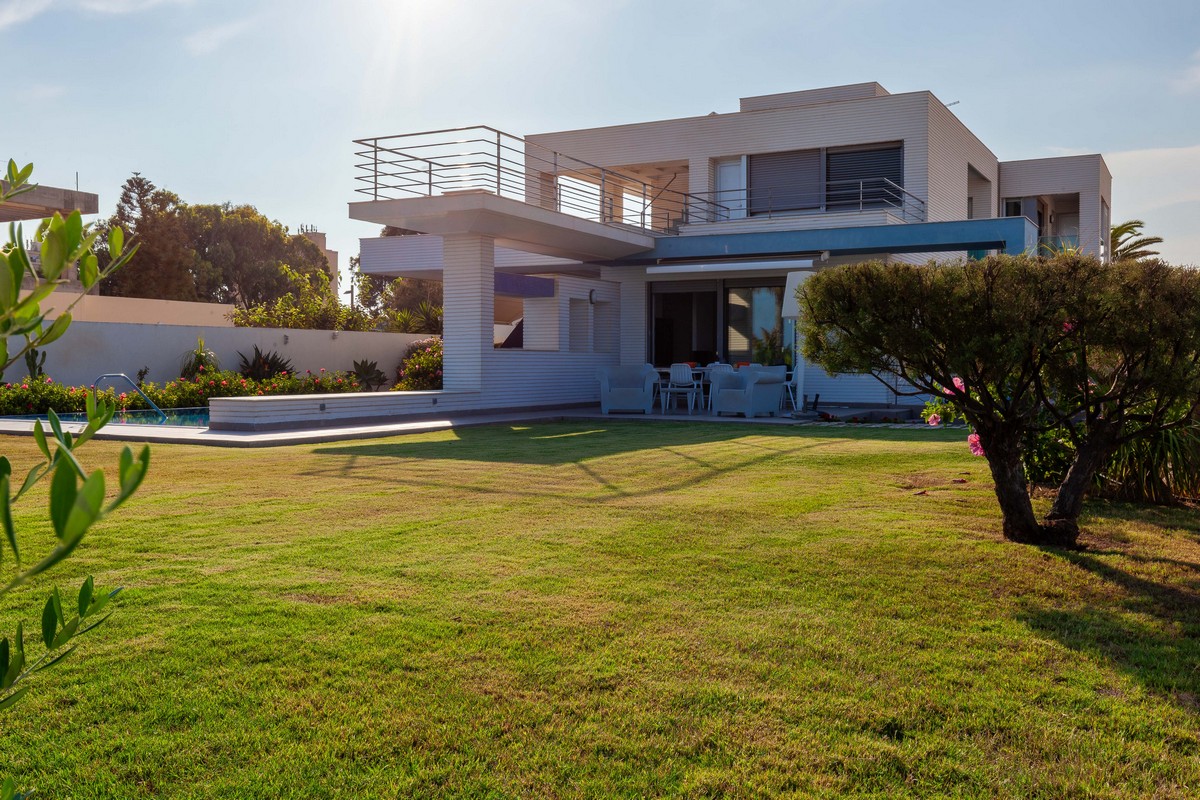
[(684, 239)]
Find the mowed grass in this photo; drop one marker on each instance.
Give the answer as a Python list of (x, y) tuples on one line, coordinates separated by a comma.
[(615, 609)]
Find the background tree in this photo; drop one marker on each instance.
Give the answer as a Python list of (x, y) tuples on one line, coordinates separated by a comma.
[(164, 266), (242, 251), (211, 253), (1126, 241)]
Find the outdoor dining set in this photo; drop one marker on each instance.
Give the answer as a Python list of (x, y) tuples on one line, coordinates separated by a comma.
[(747, 389)]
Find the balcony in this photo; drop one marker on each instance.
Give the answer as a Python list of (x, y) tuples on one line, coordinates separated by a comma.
[(456, 161)]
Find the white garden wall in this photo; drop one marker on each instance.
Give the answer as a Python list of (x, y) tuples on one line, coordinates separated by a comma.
[(89, 349)]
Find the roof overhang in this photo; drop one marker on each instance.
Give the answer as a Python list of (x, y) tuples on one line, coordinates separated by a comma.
[(1009, 234), (512, 223), (43, 201)]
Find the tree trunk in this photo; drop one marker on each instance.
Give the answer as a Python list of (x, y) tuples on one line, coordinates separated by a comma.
[(1003, 451), (1089, 458)]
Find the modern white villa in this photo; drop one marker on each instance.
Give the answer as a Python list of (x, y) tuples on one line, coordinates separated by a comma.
[(684, 239)]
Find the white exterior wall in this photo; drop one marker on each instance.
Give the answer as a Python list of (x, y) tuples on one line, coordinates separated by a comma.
[(1086, 175), (90, 349), (952, 148), (699, 140)]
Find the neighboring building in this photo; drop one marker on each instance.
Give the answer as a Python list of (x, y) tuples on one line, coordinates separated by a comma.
[(39, 203), (684, 239), (331, 256)]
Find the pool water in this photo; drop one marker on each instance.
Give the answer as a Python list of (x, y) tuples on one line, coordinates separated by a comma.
[(183, 417)]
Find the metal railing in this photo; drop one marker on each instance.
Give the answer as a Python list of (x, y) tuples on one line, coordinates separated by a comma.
[(481, 158), (110, 375), (838, 196)]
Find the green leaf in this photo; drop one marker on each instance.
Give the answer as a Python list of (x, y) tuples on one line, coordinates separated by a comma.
[(10, 531), (55, 423), (10, 701), (89, 270), (73, 229), (56, 329), (63, 636), (39, 436), (131, 474), (3, 657), (63, 489), (54, 251), (116, 242), (85, 596), (8, 297), (5, 467), (49, 622)]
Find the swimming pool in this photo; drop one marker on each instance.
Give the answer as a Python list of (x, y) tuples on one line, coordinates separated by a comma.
[(179, 417)]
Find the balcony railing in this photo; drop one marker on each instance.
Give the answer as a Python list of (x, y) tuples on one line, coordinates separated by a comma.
[(482, 158), (477, 158), (839, 196)]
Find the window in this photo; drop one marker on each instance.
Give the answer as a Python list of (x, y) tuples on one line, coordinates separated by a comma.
[(865, 177), (788, 181)]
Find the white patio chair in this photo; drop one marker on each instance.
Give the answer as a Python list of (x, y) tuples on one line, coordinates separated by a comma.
[(714, 369), (683, 381), (790, 388)]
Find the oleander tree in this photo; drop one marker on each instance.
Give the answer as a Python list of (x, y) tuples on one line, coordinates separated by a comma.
[(1019, 345), (77, 498)]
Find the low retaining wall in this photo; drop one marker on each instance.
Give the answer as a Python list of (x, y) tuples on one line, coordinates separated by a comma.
[(514, 380), (89, 349)]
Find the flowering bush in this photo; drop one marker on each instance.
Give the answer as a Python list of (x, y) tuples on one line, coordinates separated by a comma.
[(421, 367), (37, 396)]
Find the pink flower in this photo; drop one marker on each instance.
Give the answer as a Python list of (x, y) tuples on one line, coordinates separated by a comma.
[(974, 445), (322, 370), (49, 379), (935, 419), (1068, 326), (24, 385), (958, 384)]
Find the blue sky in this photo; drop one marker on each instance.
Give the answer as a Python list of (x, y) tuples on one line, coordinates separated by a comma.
[(257, 101)]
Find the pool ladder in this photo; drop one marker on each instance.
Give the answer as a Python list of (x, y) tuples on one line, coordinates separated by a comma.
[(112, 375)]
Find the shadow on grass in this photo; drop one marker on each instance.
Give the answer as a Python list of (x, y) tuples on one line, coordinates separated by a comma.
[(549, 444), (1147, 629), (574, 445)]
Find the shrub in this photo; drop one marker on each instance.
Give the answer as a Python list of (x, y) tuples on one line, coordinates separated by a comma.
[(369, 374), (199, 360), (38, 396), (421, 367), (262, 365)]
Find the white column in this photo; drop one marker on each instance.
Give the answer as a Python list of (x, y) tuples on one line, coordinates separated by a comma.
[(469, 273)]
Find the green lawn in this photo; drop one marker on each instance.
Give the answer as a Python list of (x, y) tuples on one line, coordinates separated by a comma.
[(612, 609)]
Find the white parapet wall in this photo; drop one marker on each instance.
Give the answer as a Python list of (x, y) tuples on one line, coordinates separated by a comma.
[(513, 380), (90, 349), (100, 308)]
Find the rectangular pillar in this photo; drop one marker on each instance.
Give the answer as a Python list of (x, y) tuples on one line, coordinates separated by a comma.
[(469, 274)]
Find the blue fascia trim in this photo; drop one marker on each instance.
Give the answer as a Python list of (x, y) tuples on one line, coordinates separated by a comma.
[(509, 285), (1012, 235)]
